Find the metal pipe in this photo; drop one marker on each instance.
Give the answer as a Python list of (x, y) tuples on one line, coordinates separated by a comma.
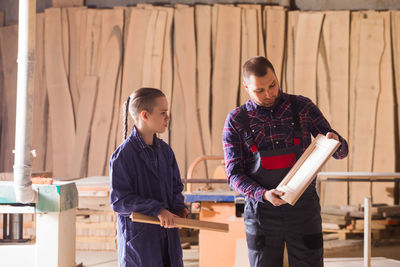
[(367, 232), (25, 85), (17, 226)]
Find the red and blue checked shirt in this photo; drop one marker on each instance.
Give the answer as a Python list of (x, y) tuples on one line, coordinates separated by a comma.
[(272, 129)]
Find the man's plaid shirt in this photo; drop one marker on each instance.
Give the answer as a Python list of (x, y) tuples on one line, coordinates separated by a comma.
[(271, 129)]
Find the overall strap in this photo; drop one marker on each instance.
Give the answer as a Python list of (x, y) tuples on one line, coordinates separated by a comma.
[(296, 120), (248, 138)]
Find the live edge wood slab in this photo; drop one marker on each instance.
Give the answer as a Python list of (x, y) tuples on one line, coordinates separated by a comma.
[(183, 222)]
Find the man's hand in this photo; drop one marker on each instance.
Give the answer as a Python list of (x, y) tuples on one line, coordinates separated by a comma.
[(331, 135), (273, 196), (183, 213), (167, 219)]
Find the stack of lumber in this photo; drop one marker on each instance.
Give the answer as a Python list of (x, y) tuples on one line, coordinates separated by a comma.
[(96, 223), (348, 221)]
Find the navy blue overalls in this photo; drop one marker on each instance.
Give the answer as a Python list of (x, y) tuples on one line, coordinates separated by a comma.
[(268, 227)]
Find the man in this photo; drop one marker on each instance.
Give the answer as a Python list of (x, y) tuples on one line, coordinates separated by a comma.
[(262, 140)]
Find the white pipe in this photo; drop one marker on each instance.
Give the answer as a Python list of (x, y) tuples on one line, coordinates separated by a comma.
[(25, 85), (367, 232)]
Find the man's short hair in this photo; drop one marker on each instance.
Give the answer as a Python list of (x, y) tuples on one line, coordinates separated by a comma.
[(256, 66)]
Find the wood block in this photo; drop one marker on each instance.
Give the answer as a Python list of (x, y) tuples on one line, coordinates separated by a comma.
[(275, 38), (9, 47), (306, 50), (83, 127), (61, 110), (111, 39)]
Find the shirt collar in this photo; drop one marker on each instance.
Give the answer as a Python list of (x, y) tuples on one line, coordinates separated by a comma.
[(137, 139), (281, 98)]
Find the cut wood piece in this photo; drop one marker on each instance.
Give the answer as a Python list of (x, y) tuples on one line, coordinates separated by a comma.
[(83, 126), (275, 37), (203, 41), (111, 39), (185, 67), (153, 51), (9, 51), (332, 91), (367, 89), (40, 103), (184, 223), (288, 77), (75, 64), (396, 60), (61, 111), (249, 44), (225, 80), (133, 58), (306, 50)]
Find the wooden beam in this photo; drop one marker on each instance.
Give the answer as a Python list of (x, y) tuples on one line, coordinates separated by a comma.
[(184, 223)]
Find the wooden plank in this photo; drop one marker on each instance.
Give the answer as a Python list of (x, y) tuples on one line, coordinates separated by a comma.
[(306, 50), (83, 126), (40, 103), (288, 75), (203, 41), (275, 37), (367, 89), (1, 84), (225, 80), (332, 90), (396, 60), (65, 39), (133, 58), (185, 67), (249, 43), (9, 47), (93, 41), (184, 223), (153, 51), (67, 3), (111, 38), (75, 67), (61, 112)]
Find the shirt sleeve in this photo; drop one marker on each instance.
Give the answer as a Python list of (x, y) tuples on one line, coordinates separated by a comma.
[(122, 197), (318, 124), (238, 180), (178, 202)]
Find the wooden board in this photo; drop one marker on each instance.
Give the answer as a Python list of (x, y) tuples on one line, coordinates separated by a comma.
[(249, 44), (61, 111), (226, 69), (396, 60), (275, 37), (67, 3), (9, 51), (332, 90), (133, 58), (93, 41), (83, 126), (185, 223), (111, 39), (288, 74), (65, 39), (367, 89), (306, 50), (203, 41), (185, 67), (40, 103)]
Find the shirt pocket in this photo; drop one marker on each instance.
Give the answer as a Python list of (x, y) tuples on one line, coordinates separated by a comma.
[(285, 131)]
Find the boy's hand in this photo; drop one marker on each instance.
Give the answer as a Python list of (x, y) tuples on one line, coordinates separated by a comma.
[(183, 213), (166, 219)]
